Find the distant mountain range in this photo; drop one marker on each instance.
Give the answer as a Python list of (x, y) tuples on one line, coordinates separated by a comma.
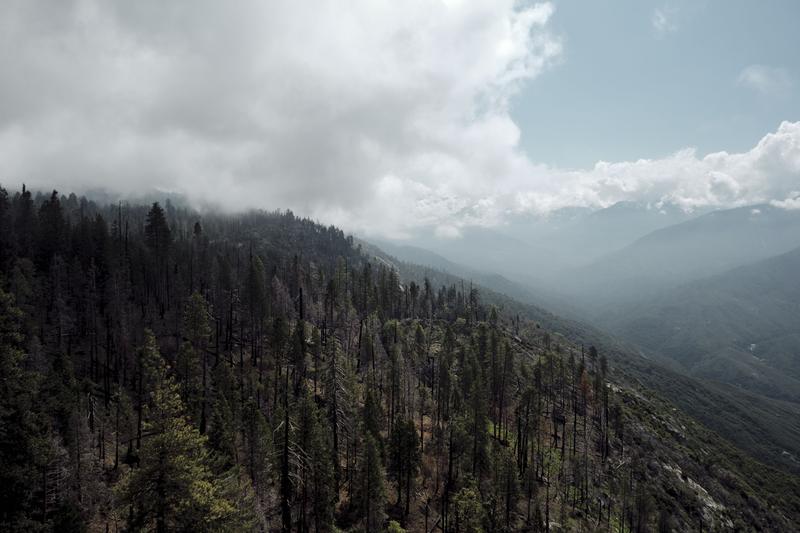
[(579, 236), (620, 255), (741, 327), (539, 250), (707, 245)]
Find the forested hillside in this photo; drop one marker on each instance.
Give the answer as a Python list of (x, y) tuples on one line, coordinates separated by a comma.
[(740, 327), (164, 370), (766, 428)]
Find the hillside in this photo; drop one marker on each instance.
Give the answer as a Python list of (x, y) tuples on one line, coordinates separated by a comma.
[(418, 263), (739, 327), (707, 245), (540, 250), (766, 435), (573, 238), (173, 371), (767, 429)]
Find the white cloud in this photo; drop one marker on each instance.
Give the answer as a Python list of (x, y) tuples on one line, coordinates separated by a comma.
[(791, 202), (349, 113), (768, 172), (663, 20), (766, 80), (381, 118)]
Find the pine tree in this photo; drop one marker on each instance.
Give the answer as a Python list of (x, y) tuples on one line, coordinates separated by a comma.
[(258, 446), (173, 488), (469, 514), (316, 474), (24, 447), (197, 330), (157, 233), (25, 223), (52, 230), (223, 433), (369, 498), (373, 419), (404, 459)]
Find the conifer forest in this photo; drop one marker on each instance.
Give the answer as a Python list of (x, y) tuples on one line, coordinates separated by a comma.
[(169, 370)]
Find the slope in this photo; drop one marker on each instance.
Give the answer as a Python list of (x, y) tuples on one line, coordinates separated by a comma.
[(254, 372), (704, 246), (767, 429), (741, 327)]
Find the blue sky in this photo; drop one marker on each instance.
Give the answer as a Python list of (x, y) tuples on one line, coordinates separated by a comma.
[(626, 89)]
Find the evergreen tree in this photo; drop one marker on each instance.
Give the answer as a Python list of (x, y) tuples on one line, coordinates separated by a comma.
[(24, 447), (405, 459), (52, 230), (24, 223), (369, 498), (469, 514), (316, 474), (173, 488), (157, 233)]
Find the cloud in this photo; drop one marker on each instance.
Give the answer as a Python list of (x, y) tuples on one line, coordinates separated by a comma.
[(663, 20), (766, 80), (446, 231), (767, 173), (345, 113), (381, 118), (791, 202)]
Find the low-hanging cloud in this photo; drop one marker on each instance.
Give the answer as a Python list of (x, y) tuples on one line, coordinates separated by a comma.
[(378, 116)]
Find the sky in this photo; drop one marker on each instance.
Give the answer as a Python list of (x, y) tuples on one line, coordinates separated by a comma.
[(383, 117), (646, 79)]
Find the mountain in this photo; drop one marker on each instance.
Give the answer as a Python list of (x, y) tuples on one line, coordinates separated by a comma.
[(421, 256), (576, 237), (768, 429), (741, 327), (417, 256), (704, 246), (487, 249), (172, 370), (541, 251)]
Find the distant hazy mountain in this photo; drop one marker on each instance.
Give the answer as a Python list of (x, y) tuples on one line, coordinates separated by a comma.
[(422, 257), (741, 327), (578, 236), (491, 280), (539, 249), (701, 247), (489, 250)]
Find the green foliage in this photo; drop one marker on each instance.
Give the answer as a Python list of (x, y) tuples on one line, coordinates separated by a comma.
[(24, 446), (229, 430), (173, 488), (394, 527), (195, 321), (316, 471), (469, 514), (404, 458), (369, 498)]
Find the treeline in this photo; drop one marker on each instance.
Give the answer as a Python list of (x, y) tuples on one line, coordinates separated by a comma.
[(167, 371)]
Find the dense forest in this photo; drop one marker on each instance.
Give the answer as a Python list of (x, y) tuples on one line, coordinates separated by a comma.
[(169, 370)]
